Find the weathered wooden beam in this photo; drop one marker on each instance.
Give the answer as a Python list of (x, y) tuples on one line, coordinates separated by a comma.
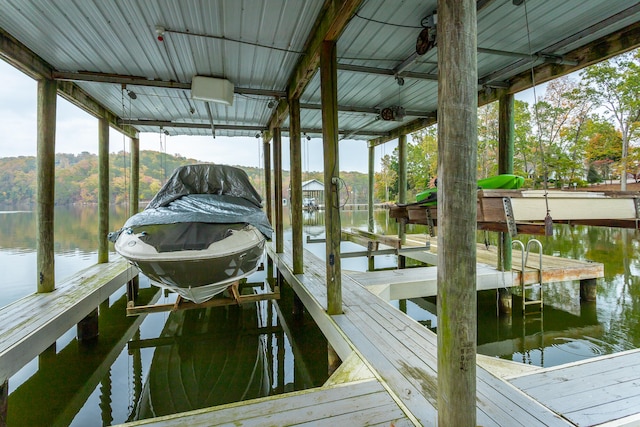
[(506, 130), (277, 171), (87, 76), (371, 182), (133, 310), (103, 190), (329, 97), (267, 179), (134, 176), (331, 22), (624, 40), (457, 183), (295, 150), (402, 181), (392, 241), (408, 128), (25, 60), (46, 146)]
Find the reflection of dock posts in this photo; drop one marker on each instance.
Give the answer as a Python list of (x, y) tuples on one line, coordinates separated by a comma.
[(588, 289), (133, 288), (137, 371), (87, 328), (4, 399), (105, 400)]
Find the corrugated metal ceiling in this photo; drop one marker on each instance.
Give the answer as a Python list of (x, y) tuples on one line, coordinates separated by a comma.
[(257, 44)]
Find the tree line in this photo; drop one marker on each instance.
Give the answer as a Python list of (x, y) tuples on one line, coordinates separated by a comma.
[(76, 178)]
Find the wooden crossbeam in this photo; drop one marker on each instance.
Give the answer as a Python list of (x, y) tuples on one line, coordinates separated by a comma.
[(182, 304)]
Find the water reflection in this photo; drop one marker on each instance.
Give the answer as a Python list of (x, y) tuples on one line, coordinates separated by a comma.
[(78, 385)]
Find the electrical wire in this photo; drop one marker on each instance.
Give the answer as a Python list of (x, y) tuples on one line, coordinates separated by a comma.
[(387, 23), (548, 221)]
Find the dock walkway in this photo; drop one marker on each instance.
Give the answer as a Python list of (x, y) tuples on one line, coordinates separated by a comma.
[(401, 352), (591, 392), (31, 324), (422, 281)]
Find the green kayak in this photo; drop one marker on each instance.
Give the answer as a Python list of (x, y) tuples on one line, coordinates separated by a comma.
[(504, 181)]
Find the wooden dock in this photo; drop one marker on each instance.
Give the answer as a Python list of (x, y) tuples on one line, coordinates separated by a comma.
[(599, 391), (422, 281), (24, 335)]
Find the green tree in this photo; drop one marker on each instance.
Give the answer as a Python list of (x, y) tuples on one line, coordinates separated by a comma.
[(615, 86)]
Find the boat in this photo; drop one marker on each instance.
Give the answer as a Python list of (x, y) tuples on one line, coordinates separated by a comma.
[(504, 181), (204, 230)]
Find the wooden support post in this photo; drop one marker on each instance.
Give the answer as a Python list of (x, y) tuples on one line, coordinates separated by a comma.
[(295, 149), (45, 183), (457, 188), (329, 98), (134, 202), (588, 289), (103, 190), (402, 192), (277, 171), (87, 329), (505, 165), (134, 177), (402, 181), (371, 177), (267, 179)]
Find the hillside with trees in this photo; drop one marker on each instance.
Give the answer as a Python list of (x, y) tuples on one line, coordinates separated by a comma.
[(76, 180)]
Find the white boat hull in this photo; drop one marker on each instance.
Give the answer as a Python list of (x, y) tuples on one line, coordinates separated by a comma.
[(196, 275)]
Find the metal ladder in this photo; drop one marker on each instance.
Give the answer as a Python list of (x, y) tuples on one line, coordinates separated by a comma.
[(524, 287)]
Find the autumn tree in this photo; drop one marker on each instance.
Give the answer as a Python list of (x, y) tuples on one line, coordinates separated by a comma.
[(615, 86)]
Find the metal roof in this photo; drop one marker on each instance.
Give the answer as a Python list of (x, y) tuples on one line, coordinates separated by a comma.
[(260, 45)]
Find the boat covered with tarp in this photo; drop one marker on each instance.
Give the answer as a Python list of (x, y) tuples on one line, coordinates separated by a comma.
[(204, 230)]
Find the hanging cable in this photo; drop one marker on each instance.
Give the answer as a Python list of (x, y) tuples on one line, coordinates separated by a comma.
[(548, 221)]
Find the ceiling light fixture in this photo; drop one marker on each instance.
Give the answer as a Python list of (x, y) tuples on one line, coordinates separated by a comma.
[(212, 90)]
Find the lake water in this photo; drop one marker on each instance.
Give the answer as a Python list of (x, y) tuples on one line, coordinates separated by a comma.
[(163, 363)]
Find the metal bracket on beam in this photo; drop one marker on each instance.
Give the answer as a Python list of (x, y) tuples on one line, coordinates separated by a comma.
[(508, 213), (430, 222)]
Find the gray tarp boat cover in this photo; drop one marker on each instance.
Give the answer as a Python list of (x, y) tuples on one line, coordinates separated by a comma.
[(205, 193)]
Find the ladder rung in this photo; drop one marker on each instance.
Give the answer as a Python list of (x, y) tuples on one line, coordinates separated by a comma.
[(537, 301)]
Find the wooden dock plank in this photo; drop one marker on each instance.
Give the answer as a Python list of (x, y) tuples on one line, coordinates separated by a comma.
[(23, 335), (356, 403), (589, 392)]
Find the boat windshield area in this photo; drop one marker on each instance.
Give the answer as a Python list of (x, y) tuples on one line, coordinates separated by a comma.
[(185, 236)]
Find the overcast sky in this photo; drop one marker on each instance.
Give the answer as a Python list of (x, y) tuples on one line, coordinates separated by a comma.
[(77, 131)]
